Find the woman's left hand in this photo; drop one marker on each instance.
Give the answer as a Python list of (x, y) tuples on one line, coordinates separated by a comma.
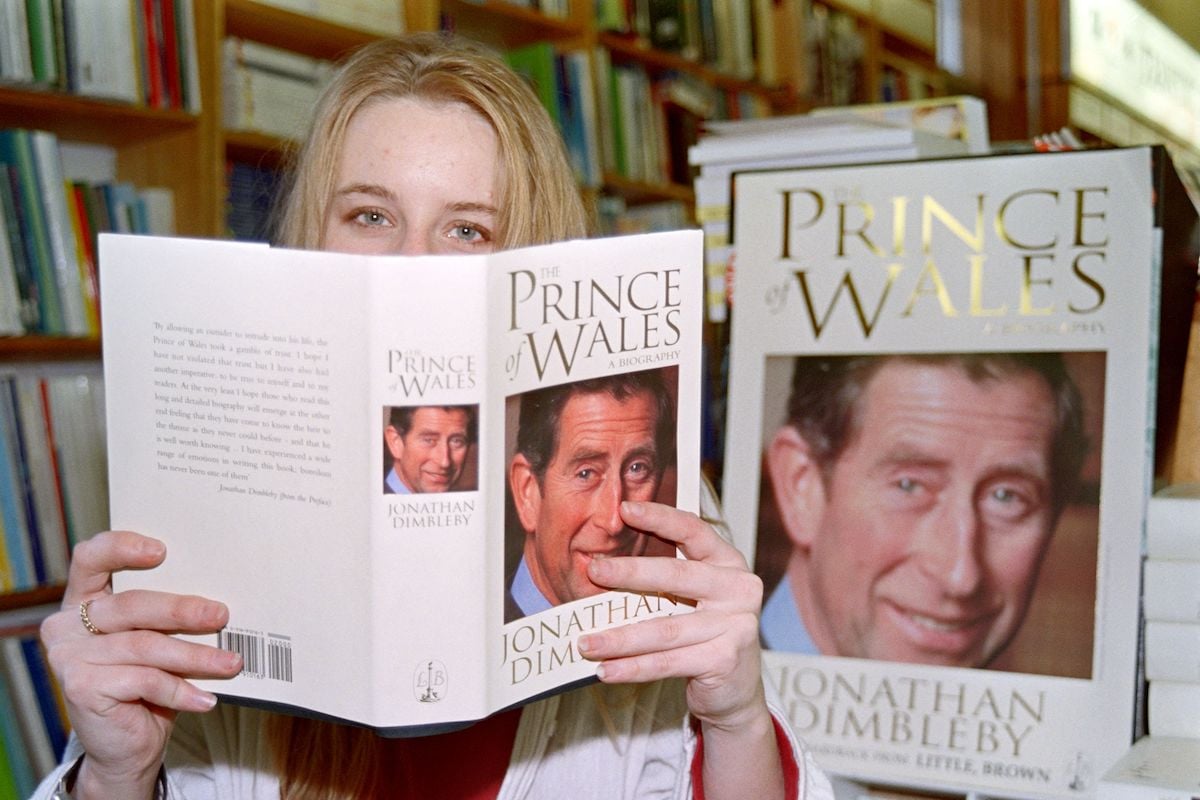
[(715, 647)]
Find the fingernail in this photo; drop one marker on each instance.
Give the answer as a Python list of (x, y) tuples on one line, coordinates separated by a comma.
[(601, 672), (631, 508), (585, 644), (205, 701), (153, 547), (599, 567)]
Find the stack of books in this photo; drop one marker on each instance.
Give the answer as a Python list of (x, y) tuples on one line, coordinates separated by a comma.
[(48, 228), (1171, 609), (142, 53)]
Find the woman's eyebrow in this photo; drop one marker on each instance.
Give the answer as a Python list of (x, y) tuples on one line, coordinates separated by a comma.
[(374, 189)]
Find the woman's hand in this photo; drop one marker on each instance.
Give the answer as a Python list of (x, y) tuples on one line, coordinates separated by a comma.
[(715, 647), (124, 685)]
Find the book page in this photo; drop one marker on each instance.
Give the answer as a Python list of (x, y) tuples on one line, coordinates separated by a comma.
[(237, 389)]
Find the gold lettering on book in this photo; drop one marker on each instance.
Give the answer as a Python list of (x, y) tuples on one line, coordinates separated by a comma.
[(1032, 253)]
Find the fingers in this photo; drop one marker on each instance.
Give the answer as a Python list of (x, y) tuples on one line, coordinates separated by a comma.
[(704, 645), (733, 589), (94, 560), (101, 690), (695, 537)]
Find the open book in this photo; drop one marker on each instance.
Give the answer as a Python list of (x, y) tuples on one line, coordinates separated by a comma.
[(326, 443)]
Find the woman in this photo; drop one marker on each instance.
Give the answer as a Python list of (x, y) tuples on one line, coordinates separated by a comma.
[(425, 146)]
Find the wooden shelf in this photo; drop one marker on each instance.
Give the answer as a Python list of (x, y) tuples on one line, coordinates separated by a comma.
[(281, 28), (30, 597), (630, 48), (87, 119), (261, 149), (509, 25), (48, 348), (637, 192)]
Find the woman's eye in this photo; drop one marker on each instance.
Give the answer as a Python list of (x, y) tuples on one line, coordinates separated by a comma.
[(469, 233), (370, 216)]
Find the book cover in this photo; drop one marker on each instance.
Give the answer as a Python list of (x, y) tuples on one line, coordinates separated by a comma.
[(1155, 768), (940, 437), (398, 431)]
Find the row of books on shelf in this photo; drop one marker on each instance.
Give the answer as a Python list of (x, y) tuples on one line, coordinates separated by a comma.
[(268, 89), (53, 477), (385, 17), (141, 51), (33, 720), (48, 228)]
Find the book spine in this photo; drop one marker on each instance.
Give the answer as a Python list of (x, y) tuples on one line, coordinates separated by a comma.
[(21, 256), (28, 713), (15, 62), (16, 150), (53, 189), (85, 239), (11, 423), (1173, 528), (20, 759), (1172, 651), (152, 61), (10, 294), (172, 79), (12, 506), (46, 693), (185, 18), (1171, 590), (48, 505), (1174, 709), (40, 20)]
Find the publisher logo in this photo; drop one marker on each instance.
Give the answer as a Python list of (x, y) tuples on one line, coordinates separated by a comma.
[(429, 681)]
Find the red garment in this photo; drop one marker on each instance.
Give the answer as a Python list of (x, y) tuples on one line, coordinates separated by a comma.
[(791, 770), (464, 765), (470, 764)]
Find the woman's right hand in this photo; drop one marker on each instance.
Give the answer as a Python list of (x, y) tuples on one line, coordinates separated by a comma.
[(123, 687)]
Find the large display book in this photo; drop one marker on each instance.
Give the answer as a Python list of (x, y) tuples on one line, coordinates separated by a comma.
[(395, 470), (939, 448)]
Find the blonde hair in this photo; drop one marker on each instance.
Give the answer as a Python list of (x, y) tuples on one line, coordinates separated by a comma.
[(538, 201)]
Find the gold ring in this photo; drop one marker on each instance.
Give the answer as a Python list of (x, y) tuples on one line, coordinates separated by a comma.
[(86, 620)]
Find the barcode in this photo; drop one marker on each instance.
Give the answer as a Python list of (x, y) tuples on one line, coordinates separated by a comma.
[(263, 655)]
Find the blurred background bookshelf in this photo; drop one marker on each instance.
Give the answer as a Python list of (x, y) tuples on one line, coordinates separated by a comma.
[(160, 106)]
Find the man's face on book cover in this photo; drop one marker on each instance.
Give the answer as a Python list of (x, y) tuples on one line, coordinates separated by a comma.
[(430, 457), (923, 542), (606, 453)]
